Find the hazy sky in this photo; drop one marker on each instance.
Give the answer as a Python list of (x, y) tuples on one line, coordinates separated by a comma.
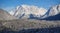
[(10, 4)]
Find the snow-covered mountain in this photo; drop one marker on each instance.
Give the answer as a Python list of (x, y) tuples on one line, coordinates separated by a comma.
[(53, 13), (54, 10), (30, 11), (25, 11)]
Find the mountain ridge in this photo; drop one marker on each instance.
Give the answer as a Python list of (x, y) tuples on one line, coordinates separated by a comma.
[(26, 11)]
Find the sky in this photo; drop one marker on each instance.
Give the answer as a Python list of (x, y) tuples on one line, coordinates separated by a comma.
[(11, 4)]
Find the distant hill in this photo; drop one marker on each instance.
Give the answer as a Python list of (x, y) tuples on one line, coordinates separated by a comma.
[(56, 17), (5, 15)]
